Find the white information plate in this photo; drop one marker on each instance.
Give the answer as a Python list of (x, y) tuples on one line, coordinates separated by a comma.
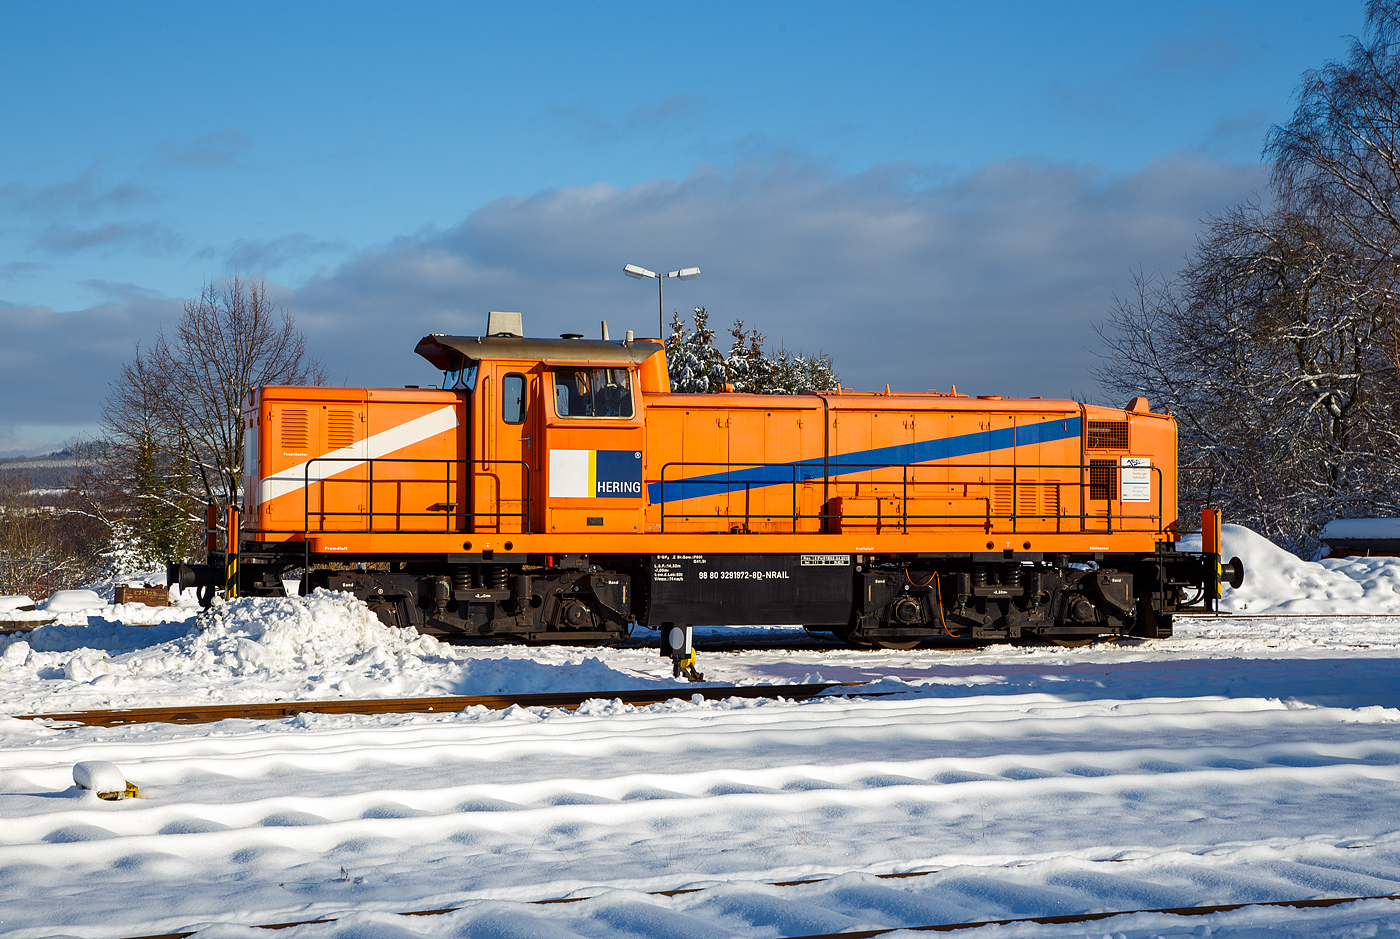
[(1136, 477)]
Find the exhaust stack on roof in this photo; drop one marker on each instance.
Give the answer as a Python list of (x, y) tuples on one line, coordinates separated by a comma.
[(504, 324)]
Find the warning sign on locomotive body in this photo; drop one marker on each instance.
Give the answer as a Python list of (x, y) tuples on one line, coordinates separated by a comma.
[(757, 589)]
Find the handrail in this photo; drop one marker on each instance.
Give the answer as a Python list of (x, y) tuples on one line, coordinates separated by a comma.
[(734, 478), (399, 514)]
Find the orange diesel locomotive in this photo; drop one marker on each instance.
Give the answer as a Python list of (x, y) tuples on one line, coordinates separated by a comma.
[(556, 490)]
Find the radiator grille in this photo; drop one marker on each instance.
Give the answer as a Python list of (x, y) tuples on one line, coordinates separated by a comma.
[(340, 429), (1108, 435), (296, 430), (1103, 479)]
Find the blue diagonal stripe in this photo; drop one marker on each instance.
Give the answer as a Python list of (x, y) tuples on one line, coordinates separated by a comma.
[(860, 461)]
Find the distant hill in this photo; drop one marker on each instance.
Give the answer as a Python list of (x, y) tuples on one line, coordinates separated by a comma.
[(49, 470)]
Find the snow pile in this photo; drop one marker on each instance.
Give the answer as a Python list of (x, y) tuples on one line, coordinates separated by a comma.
[(1378, 528), (1277, 581), (15, 603), (107, 586), (246, 637), (275, 634), (99, 776), (71, 601), (328, 644), (20, 611)]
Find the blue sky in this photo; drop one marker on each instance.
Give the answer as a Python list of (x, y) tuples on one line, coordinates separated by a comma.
[(935, 193)]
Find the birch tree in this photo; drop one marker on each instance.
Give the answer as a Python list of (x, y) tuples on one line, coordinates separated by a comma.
[(172, 425)]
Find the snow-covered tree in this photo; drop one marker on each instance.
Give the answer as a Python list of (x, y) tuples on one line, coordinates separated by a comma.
[(685, 359), (1278, 345), (795, 373), (696, 366)]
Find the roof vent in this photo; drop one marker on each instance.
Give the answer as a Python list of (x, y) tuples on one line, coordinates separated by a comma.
[(504, 324), (571, 335)]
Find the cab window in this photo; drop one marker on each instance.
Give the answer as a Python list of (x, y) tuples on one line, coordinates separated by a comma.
[(592, 392), (513, 398)]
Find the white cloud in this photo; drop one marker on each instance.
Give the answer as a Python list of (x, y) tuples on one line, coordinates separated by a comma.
[(55, 367), (991, 281)]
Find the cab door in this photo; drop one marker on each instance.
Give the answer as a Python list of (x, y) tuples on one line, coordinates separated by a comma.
[(596, 443), (508, 468)]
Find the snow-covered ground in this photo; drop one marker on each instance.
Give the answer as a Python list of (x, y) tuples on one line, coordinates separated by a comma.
[(1278, 582), (1243, 760)]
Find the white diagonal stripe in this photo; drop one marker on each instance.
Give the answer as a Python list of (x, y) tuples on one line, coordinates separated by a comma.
[(357, 454)]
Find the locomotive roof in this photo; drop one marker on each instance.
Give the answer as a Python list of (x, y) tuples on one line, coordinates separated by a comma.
[(450, 353)]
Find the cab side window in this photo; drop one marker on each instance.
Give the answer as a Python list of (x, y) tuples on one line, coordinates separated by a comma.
[(593, 392), (513, 398)]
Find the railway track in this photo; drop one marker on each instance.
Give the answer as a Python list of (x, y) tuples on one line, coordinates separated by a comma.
[(1066, 919), (808, 642), (276, 710), (1231, 616)]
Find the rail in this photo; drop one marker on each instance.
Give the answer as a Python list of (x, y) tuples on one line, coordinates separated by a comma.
[(1312, 903), (765, 476), (441, 704)]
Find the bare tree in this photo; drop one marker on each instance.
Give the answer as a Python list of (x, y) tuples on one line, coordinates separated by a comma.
[(47, 542), (1339, 155), (1272, 350), (1278, 346), (173, 423), (229, 341)]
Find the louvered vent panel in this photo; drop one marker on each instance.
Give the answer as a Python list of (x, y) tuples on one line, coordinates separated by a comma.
[(1052, 501), (1103, 479), (1001, 498), (296, 430), (1027, 503), (1108, 435), (340, 429)]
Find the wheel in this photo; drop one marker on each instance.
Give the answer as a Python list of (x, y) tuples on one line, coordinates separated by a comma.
[(1076, 642), (891, 644), (896, 646)]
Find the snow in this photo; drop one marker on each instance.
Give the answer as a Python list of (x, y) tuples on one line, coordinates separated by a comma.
[(1382, 528), (99, 776), (70, 601), (1244, 760), (1277, 581), (15, 603), (326, 645)]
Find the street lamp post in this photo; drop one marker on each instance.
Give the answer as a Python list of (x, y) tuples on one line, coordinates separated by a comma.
[(685, 273)]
